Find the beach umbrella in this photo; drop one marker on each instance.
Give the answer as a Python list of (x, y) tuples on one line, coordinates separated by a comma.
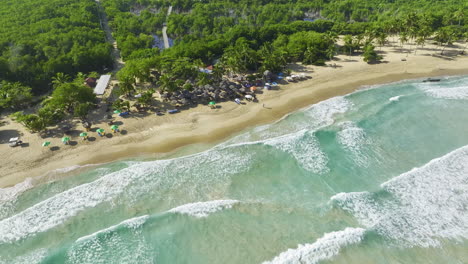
[(100, 130), (253, 88), (114, 127), (45, 144), (212, 103), (83, 134), (65, 139), (117, 112)]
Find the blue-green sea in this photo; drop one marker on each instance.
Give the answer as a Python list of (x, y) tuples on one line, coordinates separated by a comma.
[(377, 176)]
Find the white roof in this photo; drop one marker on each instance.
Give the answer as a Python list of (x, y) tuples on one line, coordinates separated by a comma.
[(102, 84)]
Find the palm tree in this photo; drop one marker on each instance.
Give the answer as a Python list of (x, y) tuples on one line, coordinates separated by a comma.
[(403, 38), (465, 36), (331, 51), (218, 72), (166, 83), (348, 43), (331, 37), (126, 87), (419, 41), (381, 39), (459, 15), (60, 78), (442, 36)]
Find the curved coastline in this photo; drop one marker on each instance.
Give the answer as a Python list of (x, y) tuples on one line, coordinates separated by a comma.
[(151, 134)]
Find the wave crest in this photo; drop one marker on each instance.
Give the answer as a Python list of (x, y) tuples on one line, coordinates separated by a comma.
[(324, 248)]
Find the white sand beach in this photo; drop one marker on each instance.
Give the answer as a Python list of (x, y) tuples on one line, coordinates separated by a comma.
[(146, 134)]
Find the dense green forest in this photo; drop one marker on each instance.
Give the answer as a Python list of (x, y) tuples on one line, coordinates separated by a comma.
[(39, 39), (44, 45)]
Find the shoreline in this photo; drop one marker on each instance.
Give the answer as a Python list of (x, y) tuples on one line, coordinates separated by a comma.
[(151, 135)]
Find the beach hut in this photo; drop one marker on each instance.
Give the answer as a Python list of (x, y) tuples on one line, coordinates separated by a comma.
[(90, 82), (102, 84)]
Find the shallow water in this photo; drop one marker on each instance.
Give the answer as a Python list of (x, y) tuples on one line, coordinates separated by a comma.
[(378, 176)]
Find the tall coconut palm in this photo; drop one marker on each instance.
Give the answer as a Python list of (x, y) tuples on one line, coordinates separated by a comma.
[(459, 15), (382, 39)]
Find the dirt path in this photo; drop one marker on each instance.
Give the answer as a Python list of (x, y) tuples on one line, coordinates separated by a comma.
[(164, 30), (118, 62)]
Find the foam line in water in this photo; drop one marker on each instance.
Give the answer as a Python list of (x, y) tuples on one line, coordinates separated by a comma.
[(128, 246), (324, 248), (353, 139), (133, 223), (315, 117), (10, 193), (305, 148), (419, 207), (449, 93), (203, 209), (34, 257)]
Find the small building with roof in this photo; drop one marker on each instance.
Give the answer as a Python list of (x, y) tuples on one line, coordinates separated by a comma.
[(102, 84)]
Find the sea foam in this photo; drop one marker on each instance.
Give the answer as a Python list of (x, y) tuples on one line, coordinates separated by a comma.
[(129, 185), (203, 209), (449, 93), (34, 257), (109, 243), (353, 139), (305, 148), (418, 207), (324, 248)]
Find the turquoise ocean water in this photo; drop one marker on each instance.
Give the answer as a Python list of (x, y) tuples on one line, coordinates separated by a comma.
[(377, 176)]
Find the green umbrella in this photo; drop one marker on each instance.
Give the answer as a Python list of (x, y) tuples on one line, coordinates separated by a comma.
[(100, 130), (65, 139), (45, 144), (114, 127), (212, 103), (83, 134), (117, 112)]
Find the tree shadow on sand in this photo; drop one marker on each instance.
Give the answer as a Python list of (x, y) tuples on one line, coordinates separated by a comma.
[(5, 135)]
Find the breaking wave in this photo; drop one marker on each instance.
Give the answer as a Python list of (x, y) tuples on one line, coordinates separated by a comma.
[(419, 207), (203, 209), (324, 248)]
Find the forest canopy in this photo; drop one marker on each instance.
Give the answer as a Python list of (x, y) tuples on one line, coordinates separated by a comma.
[(39, 39)]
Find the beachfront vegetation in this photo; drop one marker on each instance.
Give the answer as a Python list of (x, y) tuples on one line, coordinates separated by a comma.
[(250, 37), (45, 45)]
